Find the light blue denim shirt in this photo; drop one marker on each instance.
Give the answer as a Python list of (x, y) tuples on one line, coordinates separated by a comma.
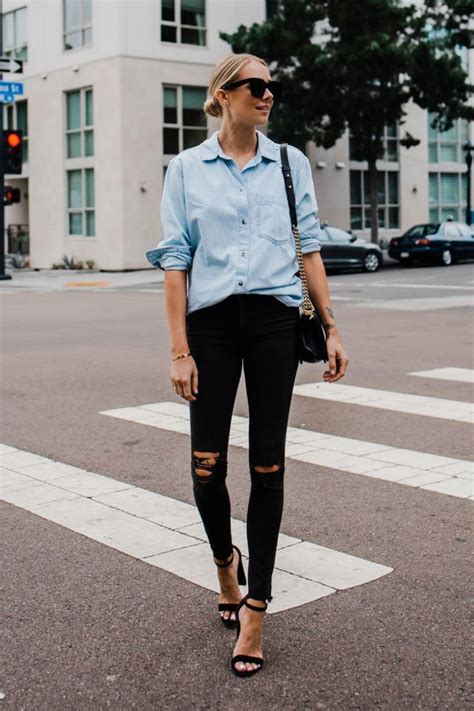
[(230, 229)]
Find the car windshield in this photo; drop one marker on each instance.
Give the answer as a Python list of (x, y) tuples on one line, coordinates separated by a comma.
[(422, 230)]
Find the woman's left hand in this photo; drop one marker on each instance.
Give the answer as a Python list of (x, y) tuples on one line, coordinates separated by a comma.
[(337, 358)]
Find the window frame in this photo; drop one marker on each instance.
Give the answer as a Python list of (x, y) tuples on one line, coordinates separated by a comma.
[(386, 205), (84, 127), (462, 127), (81, 163), (80, 28), (13, 51), (457, 209), (83, 210), (178, 26), (180, 126)]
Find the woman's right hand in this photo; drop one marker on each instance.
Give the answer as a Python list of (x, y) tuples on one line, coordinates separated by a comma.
[(184, 377)]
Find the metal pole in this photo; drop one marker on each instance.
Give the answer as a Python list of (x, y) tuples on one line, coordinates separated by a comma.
[(468, 147), (3, 276)]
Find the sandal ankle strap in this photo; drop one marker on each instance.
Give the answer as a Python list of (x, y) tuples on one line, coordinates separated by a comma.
[(254, 607), (226, 563)]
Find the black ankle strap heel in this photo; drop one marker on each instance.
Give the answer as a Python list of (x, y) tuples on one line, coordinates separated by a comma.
[(246, 657), (254, 607), (241, 579)]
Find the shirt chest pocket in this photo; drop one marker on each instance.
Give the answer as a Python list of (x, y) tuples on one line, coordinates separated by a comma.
[(273, 219)]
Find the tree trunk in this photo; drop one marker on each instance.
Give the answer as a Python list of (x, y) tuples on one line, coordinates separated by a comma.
[(374, 213)]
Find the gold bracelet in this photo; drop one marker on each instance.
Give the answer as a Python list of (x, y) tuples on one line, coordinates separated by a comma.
[(183, 355)]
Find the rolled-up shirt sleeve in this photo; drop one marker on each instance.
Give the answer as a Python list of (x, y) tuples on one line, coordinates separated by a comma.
[(174, 251), (307, 210)]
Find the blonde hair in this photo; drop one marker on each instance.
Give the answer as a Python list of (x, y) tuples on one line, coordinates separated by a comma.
[(227, 70)]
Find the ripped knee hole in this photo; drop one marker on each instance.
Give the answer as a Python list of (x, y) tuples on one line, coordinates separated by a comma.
[(270, 477), (266, 470), (208, 460)]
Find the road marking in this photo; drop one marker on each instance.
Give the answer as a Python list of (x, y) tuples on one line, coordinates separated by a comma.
[(461, 375), (423, 304), (432, 472), (165, 532), (388, 400), (102, 283), (438, 287)]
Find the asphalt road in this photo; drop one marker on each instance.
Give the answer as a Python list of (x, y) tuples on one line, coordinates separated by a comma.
[(85, 626)]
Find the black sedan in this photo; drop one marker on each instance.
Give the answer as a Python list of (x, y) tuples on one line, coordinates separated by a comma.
[(341, 249), (444, 243)]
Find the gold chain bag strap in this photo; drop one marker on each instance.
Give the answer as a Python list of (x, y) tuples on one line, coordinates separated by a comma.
[(312, 337)]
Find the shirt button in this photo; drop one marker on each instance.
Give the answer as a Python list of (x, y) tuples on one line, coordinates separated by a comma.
[(244, 222), (243, 254), (241, 283)]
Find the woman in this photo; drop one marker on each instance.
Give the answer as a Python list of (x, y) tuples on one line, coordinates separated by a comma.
[(226, 222)]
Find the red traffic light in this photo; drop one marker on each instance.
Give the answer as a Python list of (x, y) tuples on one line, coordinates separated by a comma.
[(13, 139), (12, 150)]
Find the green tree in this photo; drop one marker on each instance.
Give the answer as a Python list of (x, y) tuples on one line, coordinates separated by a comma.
[(357, 65)]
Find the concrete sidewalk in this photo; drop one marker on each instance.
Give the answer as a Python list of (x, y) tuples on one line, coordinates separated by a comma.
[(60, 279)]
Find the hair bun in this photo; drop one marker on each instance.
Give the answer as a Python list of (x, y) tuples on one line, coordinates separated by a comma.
[(212, 107)]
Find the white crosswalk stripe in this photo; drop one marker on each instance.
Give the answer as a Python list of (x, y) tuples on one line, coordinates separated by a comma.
[(165, 532), (417, 304), (432, 472), (460, 375), (388, 400), (412, 285)]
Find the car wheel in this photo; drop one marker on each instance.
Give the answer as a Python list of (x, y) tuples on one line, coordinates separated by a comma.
[(371, 262), (446, 258)]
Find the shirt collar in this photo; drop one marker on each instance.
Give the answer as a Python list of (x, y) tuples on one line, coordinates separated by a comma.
[(211, 148)]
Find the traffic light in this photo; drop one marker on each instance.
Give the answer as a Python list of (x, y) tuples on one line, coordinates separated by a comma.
[(12, 149), (11, 195)]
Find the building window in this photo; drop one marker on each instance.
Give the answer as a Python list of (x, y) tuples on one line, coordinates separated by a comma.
[(387, 197), (77, 23), (447, 145), (15, 117), (447, 196), (389, 150), (183, 21), (79, 123), (184, 121), (15, 34), (79, 171), (80, 202)]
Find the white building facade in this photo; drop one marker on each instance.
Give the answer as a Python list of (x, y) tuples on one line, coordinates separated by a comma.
[(114, 88)]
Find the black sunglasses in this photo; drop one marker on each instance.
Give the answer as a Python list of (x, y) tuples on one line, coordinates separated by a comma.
[(257, 87)]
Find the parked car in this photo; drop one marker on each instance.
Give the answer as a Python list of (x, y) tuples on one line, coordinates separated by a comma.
[(444, 243), (341, 249)]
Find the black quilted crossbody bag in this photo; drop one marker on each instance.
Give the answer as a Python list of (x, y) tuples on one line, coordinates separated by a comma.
[(312, 336)]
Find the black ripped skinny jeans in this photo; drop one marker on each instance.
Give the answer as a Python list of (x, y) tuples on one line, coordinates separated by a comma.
[(261, 332)]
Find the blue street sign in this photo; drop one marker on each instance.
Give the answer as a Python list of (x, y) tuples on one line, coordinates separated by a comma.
[(7, 98), (11, 87)]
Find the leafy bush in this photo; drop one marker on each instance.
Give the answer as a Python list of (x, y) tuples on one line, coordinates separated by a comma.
[(69, 263)]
